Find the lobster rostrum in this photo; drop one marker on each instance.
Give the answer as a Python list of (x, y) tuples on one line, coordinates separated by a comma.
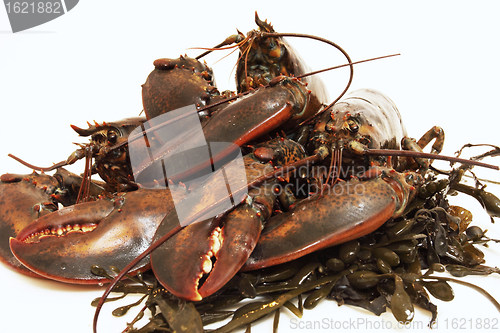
[(249, 233)]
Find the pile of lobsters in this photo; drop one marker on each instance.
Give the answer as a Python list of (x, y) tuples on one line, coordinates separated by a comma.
[(272, 191)]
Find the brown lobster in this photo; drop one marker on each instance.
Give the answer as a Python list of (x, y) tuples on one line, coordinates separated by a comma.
[(109, 147)]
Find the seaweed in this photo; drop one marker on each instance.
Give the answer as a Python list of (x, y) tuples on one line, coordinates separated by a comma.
[(392, 268)]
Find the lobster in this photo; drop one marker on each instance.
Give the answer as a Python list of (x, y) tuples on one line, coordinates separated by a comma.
[(396, 189), (114, 166)]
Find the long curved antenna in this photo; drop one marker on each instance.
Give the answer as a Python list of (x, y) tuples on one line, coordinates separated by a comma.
[(329, 42), (409, 153), (345, 65), (34, 167), (320, 112)]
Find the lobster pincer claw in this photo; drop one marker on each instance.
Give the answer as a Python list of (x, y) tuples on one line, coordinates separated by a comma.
[(203, 257), (200, 259), (64, 244), (344, 212), (239, 236), (24, 198)]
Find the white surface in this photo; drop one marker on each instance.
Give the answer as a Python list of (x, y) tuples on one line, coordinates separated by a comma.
[(89, 64)]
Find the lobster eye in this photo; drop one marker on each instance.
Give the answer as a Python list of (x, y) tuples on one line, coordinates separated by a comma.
[(116, 153), (410, 179), (353, 125), (112, 136)]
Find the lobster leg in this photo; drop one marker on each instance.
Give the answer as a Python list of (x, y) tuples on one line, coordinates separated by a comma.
[(435, 132), (341, 213), (100, 233)]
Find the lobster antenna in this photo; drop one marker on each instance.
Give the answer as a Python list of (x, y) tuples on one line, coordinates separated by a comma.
[(345, 65), (409, 153), (329, 42), (31, 166), (75, 156)]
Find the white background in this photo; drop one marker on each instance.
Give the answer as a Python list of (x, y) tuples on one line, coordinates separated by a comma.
[(89, 64)]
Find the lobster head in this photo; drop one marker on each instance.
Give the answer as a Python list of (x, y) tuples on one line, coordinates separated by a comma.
[(356, 124), (109, 147), (263, 58)]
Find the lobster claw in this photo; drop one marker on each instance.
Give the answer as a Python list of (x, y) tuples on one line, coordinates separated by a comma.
[(342, 213), (203, 257), (64, 245), (25, 198)]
